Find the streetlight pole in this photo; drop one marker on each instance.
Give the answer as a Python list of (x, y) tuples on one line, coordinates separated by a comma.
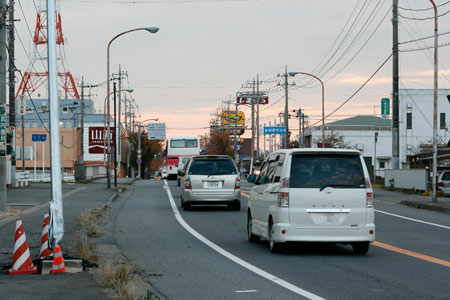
[(323, 102), (149, 29), (435, 102)]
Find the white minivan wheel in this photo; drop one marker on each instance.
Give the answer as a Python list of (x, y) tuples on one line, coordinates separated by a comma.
[(251, 237), (274, 247)]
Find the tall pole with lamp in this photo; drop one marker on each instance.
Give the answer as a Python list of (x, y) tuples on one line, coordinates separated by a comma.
[(149, 29), (323, 102)]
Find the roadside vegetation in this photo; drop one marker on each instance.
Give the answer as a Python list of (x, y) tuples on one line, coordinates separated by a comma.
[(113, 273), (9, 213)]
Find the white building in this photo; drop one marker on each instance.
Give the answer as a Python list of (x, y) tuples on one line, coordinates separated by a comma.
[(416, 121), (415, 129), (359, 133)]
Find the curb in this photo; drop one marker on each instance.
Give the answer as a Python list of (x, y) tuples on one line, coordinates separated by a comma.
[(425, 205)]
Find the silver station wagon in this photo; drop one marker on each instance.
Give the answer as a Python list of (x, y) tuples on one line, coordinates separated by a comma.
[(210, 180)]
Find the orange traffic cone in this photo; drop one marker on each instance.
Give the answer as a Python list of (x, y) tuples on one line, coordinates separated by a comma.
[(58, 261), (45, 251), (22, 263)]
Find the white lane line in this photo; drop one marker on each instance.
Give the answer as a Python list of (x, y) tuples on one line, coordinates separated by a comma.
[(411, 219), (246, 291), (236, 259)]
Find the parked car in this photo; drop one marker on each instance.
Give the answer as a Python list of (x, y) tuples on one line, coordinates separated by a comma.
[(312, 195), (444, 183), (181, 164), (164, 174), (210, 180)]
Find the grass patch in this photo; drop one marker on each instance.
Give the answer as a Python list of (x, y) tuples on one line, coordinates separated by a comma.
[(90, 220), (9, 213), (119, 276), (86, 249)]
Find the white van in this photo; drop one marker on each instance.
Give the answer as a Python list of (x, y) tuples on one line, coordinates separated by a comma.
[(312, 195)]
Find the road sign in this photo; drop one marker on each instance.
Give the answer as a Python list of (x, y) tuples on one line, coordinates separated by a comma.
[(139, 161), (385, 107), (22, 105), (157, 131), (38, 137), (139, 156), (139, 151), (274, 130)]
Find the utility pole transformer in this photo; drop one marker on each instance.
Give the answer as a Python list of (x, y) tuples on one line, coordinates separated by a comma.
[(395, 89), (3, 100)]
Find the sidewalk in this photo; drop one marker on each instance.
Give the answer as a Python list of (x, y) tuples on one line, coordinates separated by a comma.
[(416, 201), (33, 203)]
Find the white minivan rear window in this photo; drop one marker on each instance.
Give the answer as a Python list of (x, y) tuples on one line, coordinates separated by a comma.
[(322, 170)]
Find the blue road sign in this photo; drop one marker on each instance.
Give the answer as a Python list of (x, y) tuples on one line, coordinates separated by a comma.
[(275, 130), (39, 137), (139, 161)]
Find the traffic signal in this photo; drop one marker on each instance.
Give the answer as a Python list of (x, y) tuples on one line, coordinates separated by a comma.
[(9, 147)]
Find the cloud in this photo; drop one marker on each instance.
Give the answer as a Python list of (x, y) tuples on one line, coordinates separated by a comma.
[(361, 80)]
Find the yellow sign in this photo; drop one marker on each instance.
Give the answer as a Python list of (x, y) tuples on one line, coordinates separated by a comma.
[(232, 120)]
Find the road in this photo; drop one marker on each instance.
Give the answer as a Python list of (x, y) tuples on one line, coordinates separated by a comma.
[(204, 253)]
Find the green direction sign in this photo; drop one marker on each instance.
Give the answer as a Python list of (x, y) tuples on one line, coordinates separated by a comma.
[(385, 106)]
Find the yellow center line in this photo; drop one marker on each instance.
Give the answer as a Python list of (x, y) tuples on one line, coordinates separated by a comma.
[(413, 254), (399, 250)]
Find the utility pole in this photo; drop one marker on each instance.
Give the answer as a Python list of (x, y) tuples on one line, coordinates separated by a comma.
[(115, 136), (435, 103), (257, 115), (3, 102), (253, 119), (299, 116), (12, 87), (395, 89), (286, 108), (82, 121), (303, 130)]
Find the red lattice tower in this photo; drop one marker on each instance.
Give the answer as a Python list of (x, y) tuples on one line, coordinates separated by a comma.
[(33, 80)]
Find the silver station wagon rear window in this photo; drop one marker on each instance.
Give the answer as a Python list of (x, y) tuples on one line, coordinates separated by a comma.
[(212, 167), (326, 170)]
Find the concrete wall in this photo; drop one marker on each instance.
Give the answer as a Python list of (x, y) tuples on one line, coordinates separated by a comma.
[(407, 179)]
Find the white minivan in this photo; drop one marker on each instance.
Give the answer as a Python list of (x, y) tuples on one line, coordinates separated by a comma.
[(312, 195)]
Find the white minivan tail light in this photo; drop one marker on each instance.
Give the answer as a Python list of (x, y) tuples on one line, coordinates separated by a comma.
[(283, 195), (369, 194)]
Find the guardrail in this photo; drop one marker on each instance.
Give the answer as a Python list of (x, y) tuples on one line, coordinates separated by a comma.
[(89, 172)]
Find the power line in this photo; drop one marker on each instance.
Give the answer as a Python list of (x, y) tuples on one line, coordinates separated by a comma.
[(357, 91), (424, 38), (424, 48), (423, 19), (422, 9)]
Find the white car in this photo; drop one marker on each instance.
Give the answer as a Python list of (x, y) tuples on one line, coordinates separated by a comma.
[(312, 195), (182, 161), (444, 183)]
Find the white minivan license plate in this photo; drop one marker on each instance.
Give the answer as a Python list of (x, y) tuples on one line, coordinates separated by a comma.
[(213, 184), (328, 218)]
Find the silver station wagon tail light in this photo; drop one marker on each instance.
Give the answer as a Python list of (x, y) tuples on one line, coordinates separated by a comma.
[(187, 184), (283, 195), (369, 194), (237, 183)]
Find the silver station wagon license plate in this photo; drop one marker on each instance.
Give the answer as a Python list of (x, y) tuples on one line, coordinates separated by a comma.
[(212, 185)]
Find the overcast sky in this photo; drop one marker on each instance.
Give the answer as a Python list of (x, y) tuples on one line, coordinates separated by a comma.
[(206, 50)]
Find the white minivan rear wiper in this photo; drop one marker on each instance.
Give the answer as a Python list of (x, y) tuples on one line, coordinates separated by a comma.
[(336, 185)]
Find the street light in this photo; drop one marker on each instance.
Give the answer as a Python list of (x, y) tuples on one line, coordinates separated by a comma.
[(139, 151), (149, 29), (323, 102)]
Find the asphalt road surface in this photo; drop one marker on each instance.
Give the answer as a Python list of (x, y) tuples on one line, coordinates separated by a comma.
[(204, 253)]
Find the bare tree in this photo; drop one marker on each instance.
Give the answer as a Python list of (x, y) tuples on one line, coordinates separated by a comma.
[(333, 139)]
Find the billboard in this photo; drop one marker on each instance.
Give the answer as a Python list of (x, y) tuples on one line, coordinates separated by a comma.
[(249, 97), (230, 119), (98, 141)]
